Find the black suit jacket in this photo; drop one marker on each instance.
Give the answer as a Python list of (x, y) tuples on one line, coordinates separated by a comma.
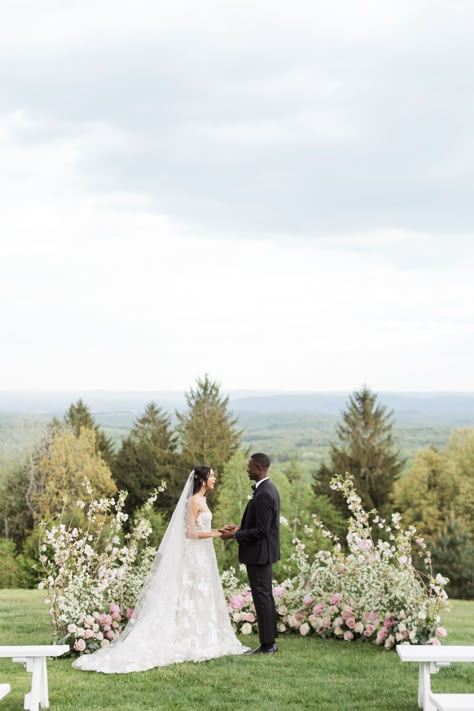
[(259, 534)]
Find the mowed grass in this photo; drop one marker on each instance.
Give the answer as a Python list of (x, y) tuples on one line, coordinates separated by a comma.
[(307, 673)]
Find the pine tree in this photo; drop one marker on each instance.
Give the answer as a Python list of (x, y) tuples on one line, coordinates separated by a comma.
[(148, 456), (208, 432), (366, 450), (79, 416)]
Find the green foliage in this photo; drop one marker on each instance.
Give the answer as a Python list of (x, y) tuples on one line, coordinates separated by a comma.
[(147, 457), (208, 432), (61, 463), (366, 449), (426, 494), (79, 416), (16, 516), (11, 572), (437, 495), (452, 553)]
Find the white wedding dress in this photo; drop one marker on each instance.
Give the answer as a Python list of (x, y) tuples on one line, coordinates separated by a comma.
[(181, 614)]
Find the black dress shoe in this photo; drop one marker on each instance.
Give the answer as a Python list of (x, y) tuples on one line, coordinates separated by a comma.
[(264, 650)]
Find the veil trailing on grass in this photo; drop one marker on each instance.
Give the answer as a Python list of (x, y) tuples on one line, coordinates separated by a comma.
[(181, 612), (162, 583)]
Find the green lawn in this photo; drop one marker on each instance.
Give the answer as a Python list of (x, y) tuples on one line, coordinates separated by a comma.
[(307, 673)]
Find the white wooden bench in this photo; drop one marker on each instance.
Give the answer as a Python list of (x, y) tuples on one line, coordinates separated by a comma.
[(34, 659), (431, 659), (4, 690)]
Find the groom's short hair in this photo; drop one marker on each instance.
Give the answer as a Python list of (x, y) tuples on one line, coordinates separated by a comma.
[(261, 459)]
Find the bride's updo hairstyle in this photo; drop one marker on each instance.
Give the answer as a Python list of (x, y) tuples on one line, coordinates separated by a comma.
[(201, 475)]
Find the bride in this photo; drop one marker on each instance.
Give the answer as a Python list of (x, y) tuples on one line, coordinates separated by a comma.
[(181, 614)]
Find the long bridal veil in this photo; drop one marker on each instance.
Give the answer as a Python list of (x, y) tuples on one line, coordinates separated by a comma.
[(162, 583), (181, 613)]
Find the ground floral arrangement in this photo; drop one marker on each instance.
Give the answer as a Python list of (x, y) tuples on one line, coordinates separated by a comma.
[(367, 590)]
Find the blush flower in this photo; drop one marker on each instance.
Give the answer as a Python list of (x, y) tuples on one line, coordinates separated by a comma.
[(79, 645)]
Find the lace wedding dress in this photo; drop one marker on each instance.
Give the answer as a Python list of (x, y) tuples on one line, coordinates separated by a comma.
[(181, 614)]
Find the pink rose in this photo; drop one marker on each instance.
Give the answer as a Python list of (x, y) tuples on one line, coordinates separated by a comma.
[(116, 616), (236, 602), (282, 610), (326, 622), (129, 612), (308, 600), (319, 608), (79, 645), (434, 641), (359, 627), (250, 617), (347, 612), (109, 635), (88, 634), (441, 632), (105, 620), (338, 622), (333, 609), (278, 591), (348, 636), (336, 599), (304, 629), (369, 630), (338, 631), (71, 628), (114, 609), (351, 623)]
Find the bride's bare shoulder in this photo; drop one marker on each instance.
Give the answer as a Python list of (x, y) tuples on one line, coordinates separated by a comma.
[(197, 502)]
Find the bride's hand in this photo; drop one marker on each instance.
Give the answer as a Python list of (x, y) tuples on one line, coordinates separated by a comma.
[(215, 533)]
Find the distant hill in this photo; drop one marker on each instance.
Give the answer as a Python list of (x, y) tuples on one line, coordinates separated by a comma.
[(454, 408)]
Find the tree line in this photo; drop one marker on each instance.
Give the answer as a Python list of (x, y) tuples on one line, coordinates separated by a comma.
[(436, 492)]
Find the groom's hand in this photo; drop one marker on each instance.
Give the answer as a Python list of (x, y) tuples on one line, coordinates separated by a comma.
[(228, 531)]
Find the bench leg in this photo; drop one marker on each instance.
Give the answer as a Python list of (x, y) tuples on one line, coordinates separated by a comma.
[(44, 697), (33, 697), (424, 687), (38, 696)]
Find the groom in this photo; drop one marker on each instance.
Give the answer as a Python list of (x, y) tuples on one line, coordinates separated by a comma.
[(258, 537)]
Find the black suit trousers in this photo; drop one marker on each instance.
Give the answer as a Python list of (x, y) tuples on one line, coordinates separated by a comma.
[(260, 579)]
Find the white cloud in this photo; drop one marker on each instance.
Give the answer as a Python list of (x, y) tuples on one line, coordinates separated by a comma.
[(272, 193)]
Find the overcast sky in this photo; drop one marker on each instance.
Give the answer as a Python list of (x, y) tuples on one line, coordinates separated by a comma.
[(277, 193)]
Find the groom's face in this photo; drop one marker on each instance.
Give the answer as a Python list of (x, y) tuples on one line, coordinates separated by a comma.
[(253, 470)]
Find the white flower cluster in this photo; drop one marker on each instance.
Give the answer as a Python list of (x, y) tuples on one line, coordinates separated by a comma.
[(369, 589), (93, 568)]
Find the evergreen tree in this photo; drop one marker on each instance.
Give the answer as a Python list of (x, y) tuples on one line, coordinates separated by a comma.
[(208, 432), (366, 450), (79, 416), (148, 456)]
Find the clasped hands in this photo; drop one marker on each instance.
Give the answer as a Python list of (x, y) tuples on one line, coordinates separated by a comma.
[(228, 531)]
